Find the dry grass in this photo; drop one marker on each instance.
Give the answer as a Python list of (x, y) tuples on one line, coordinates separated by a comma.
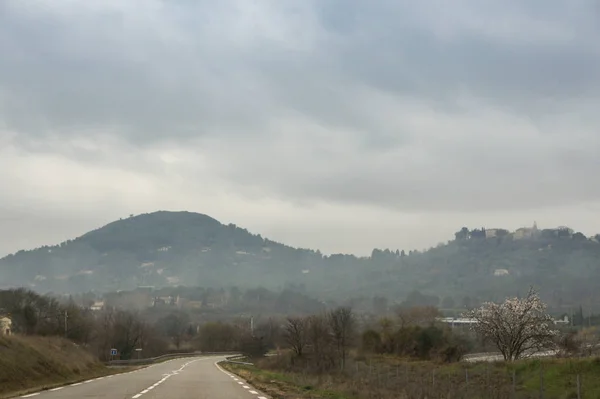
[(387, 378), (28, 363), (282, 385)]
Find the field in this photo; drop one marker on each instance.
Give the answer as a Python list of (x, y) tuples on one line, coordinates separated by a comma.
[(387, 378)]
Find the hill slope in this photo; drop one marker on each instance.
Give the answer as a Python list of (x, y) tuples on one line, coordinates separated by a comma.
[(182, 248), (162, 248), (33, 362)]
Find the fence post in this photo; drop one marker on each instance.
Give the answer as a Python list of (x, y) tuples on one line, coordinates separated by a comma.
[(487, 377), (514, 383), (541, 381), (578, 387)]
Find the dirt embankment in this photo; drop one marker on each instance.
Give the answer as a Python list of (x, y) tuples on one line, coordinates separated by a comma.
[(39, 362)]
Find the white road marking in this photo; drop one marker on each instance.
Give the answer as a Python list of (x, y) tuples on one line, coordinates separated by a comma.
[(56, 389), (30, 395), (239, 382), (74, 385), (165, 376)]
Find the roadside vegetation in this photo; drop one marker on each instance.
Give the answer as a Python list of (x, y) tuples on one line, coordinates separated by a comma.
[(412, 356), (379, 378), (335, 352), (28, 362)]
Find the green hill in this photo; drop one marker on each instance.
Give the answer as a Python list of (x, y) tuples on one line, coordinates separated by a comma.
[(162, 248), (182, 248)]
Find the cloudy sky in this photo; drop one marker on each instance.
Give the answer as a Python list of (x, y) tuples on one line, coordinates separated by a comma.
[(334, 124)]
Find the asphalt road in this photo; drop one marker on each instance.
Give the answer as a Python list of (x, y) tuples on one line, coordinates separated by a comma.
[(189, 378)]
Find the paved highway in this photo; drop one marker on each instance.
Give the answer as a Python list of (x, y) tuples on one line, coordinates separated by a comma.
[(198, 378)]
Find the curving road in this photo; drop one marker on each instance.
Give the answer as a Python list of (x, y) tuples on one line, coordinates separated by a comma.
[(187, 378)]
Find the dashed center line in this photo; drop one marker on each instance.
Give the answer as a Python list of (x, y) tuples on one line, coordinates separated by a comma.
[(165, 377)]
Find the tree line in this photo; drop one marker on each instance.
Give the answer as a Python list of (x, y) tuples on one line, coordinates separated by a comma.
[(34, 314)]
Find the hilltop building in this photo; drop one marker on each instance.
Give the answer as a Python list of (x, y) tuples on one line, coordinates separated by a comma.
[(5, 325)]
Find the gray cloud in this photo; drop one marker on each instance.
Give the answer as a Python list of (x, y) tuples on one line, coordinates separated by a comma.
[(409, 106)]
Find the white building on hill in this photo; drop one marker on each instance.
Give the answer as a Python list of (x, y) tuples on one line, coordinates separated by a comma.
[(5, 325)]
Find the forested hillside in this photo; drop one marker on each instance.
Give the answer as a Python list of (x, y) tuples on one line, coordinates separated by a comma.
[(181, 248)]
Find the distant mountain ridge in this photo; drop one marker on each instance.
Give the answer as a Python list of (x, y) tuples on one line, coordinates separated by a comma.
[(183, 248)]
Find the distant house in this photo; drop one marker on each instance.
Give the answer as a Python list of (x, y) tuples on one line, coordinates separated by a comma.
[(492, 233), (5, 325), (526, 232), (564, 320), (561, 231), (457, 322), (164, 301), (501, 272), (193, 305), (523, 232), (98, 305)]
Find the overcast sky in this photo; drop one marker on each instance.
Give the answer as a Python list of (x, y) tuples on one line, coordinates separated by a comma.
[(342, 125)]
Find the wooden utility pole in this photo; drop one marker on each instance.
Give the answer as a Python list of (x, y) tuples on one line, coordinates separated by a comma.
[(66, 324)]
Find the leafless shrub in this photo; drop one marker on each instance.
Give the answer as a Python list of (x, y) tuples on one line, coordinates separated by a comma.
[(295, 334)]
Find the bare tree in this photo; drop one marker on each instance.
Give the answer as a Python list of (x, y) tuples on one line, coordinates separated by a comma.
[(319, 339), (270, 332), (294, 334), (217, 336), (342, 324), (175, 326), (416, 315), (517, 327), (127, 332), (588, 340)]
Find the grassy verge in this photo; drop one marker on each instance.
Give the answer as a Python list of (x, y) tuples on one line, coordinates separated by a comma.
[(384, 378), (284, 385), (30, 364)]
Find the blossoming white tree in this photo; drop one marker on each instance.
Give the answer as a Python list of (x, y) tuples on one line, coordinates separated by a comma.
[(518, 326)]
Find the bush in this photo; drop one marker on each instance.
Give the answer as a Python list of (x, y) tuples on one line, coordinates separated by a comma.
[(371, 341)]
